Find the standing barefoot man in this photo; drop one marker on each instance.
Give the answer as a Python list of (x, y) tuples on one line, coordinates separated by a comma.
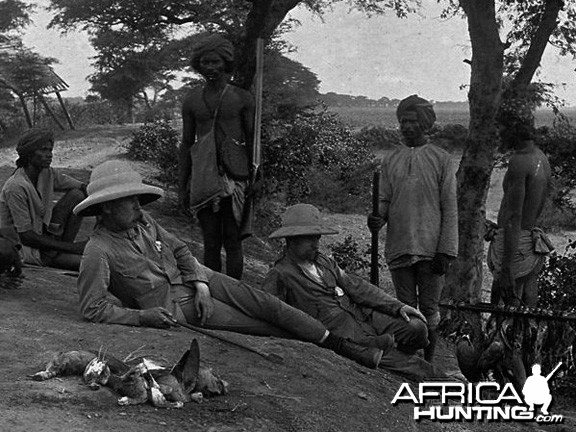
[(218, 122)]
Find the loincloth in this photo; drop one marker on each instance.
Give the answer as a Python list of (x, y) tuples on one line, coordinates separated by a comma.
[(533, 247)]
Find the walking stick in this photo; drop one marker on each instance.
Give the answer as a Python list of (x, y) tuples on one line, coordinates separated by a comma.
[(274, 358), (374, 264), (246, 229)]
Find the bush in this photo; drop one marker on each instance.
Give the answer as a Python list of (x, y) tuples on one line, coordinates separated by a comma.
[(349, 256), (450, 137), (556, 281), (556, 292), (379, 137), (157, 142), (313, 151), (559, 143)]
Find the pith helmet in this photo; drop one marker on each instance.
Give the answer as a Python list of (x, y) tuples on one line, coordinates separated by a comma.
[(302, 219), (112, 180)]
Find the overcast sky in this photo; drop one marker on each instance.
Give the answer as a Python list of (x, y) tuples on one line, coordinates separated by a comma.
[(350, 54)]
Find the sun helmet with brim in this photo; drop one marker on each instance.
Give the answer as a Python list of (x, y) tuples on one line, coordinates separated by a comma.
[(113, 180)]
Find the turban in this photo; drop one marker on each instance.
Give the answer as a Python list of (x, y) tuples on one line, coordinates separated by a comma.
[(33, 140), (423, 109), (214, 43)]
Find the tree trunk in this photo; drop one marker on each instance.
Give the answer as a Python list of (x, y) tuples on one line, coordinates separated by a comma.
[(464, 282), (263, 19)]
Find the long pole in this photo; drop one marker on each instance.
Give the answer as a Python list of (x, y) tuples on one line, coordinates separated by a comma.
[(246, 229), (374, 263)]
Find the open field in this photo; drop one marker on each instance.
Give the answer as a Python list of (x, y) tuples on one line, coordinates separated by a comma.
[(359, 117)]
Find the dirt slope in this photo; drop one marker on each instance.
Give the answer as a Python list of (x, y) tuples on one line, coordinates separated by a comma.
[(312, 390)]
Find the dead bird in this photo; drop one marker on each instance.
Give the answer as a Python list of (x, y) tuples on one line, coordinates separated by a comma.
[(140, 380)]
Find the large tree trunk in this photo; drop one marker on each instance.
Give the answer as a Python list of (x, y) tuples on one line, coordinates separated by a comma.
[(263, 19), (464, 282)]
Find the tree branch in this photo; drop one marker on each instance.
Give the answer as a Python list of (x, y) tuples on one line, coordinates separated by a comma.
[(538, 44)]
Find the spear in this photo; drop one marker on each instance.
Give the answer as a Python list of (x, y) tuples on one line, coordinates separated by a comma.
[(248, 213)]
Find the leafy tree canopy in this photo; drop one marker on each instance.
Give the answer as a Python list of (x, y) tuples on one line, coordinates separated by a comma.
[(14, 14)]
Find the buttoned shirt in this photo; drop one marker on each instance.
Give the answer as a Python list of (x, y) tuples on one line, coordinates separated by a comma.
[(419, 185), (139, 268), (26, 207)]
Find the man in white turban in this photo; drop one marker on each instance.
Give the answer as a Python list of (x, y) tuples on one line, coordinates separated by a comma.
[(418, 204)]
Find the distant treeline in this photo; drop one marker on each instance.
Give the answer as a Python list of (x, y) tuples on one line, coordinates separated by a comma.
[(332, 99)]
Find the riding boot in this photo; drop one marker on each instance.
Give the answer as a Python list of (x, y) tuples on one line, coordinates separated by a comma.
[(366, 356)]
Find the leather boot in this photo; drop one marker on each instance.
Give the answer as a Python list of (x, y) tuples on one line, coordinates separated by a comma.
[(366, 356)]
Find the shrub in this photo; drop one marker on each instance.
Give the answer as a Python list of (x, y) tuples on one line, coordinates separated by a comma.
[(556, 280), (157, 142), (559, 143), (450, 137), (314, 150), (556, 292), (349, 256), (379, 137)]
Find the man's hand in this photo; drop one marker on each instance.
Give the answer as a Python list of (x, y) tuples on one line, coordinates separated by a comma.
[(408, 311), (375, 223), (157, 317), (441, 263), (203, 302)]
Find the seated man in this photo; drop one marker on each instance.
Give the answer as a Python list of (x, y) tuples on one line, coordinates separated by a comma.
[(136, 273), (46, 230), (347, 305)]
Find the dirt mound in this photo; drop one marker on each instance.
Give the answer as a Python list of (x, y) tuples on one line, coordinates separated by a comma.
[(311, 390)]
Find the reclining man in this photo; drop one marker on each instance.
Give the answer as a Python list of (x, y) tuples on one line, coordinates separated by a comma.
[(46, 230), (136, 273), (347, 305)]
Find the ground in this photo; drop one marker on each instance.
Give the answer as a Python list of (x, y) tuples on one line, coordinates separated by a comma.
[(311, 390)]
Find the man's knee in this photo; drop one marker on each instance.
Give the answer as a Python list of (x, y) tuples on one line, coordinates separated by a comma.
[(66, 204), (416, 335)]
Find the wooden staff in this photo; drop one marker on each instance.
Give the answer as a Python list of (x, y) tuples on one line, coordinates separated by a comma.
[(374, 264), (246, 229)]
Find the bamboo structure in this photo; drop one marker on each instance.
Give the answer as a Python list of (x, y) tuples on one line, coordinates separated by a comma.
[(48, 82)]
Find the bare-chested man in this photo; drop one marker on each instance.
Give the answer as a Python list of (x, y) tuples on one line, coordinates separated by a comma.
[(518, 250), (218, 120)]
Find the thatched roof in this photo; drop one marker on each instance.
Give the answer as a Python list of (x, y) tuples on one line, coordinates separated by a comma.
[(51, 82), (46, 81)]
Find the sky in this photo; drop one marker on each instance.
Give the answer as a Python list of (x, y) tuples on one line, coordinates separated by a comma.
[(350, 54)]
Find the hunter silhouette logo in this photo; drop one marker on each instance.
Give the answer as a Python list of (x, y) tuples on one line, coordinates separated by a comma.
[(491, 401), (536, 390)]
